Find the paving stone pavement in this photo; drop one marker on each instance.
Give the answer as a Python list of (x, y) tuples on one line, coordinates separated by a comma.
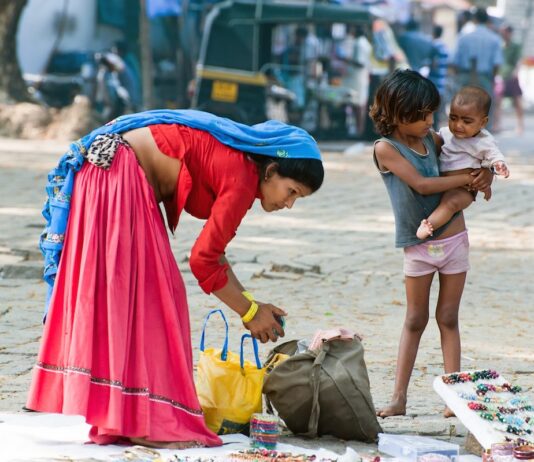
[(330, 262)]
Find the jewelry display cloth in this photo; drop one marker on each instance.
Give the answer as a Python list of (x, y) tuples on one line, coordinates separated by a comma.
[(485, 431), (43, 437)]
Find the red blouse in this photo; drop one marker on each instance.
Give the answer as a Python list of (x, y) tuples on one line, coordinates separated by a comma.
[(217, 183)]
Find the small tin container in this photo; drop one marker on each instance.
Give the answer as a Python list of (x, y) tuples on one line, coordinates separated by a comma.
[(525, 452)]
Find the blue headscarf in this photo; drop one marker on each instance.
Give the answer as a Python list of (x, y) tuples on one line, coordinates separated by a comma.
[(271, 138)]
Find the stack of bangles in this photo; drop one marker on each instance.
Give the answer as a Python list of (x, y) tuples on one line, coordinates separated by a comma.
[(249, 315)]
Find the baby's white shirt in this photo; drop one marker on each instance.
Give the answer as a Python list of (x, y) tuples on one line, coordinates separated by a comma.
[(475, 152)]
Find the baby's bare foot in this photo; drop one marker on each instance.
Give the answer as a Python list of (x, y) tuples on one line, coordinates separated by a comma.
[(397, 406), (448, 412), (425, 229)]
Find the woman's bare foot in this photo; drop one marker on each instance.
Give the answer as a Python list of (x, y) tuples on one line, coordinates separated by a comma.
[(448, 412), (425, 229), (165, 444), (397, 406)]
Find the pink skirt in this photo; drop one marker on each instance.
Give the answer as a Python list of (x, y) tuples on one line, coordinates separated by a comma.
[(116, 345)]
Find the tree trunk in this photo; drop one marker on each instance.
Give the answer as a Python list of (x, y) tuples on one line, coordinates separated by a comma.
[(12, 85)]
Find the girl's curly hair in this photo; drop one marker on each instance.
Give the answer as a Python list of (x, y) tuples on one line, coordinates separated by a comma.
[(404, 96)]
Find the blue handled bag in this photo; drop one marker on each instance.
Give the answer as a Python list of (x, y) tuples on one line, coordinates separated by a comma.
[(229, 388)]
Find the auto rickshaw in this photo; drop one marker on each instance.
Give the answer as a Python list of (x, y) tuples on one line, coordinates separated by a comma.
[(243, 76)]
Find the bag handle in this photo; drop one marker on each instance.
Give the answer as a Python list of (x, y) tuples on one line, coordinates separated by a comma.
[(315, 379), (224, 351), (256, 352)]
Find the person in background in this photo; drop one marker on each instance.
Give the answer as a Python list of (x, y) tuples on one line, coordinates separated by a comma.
[(509, 81), (465, 22), (386, 56), (357, 56), (299, 64), (478, 56), (438, 72), (418, 47)]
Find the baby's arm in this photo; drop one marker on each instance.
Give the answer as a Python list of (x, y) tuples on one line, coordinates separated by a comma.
[(493, 157)]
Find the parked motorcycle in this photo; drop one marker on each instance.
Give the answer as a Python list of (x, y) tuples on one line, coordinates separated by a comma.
[(111, 97), (103, 77), (67, 75)]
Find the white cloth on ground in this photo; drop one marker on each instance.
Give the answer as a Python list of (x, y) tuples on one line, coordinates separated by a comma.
[(39, 436)]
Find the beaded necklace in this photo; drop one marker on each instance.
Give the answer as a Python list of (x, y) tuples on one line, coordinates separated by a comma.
[(492, 402), (507, 428), (482, 399), (505, 418), (462, 377), (474, 406), (483, 388), (269, 455), (517, 441)]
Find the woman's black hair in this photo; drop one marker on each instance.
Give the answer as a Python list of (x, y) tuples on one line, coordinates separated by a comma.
[(404, 96), (309, 172)]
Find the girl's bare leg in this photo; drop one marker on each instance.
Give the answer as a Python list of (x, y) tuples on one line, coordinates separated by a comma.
[(417, 298), (451, 287), (452, 201)]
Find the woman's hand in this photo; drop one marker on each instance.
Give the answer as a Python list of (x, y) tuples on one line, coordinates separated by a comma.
[(264, 325), (483, 179)]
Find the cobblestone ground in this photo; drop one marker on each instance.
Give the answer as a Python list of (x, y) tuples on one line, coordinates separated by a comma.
[(330, 262)]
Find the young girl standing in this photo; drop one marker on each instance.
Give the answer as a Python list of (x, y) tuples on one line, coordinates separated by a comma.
[(407, 159)]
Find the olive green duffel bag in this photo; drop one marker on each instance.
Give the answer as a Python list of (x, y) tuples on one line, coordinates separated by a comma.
[(325, 392)]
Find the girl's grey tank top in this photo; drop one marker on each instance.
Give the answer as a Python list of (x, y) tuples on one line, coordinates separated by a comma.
[(410, 207)]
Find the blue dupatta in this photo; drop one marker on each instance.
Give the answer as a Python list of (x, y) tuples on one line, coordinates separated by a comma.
[(271, 138)]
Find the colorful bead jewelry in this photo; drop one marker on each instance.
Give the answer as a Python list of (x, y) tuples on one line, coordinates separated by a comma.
[(260, 455), (482, 399), (483, 388), (520, 401), (462, 377), (496, 403), (513, 429), (504, 418), (477, 406)]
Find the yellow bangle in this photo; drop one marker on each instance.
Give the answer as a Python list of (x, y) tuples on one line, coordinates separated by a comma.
[(249, 315), (248, 296)]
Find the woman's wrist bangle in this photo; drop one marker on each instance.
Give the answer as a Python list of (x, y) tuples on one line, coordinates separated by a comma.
[(248, 295), (249, 315)]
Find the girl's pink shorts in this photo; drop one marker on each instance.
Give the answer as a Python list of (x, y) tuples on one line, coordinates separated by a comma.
[(447, 256)]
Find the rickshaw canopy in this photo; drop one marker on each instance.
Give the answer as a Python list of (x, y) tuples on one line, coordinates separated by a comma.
[(241, 26)]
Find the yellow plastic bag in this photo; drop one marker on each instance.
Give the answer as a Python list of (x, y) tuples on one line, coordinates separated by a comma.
[(229, 388)]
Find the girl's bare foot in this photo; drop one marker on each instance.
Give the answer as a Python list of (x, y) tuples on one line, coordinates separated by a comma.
[(397, 406), (425, 229), (165, 444), (448, 412)]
